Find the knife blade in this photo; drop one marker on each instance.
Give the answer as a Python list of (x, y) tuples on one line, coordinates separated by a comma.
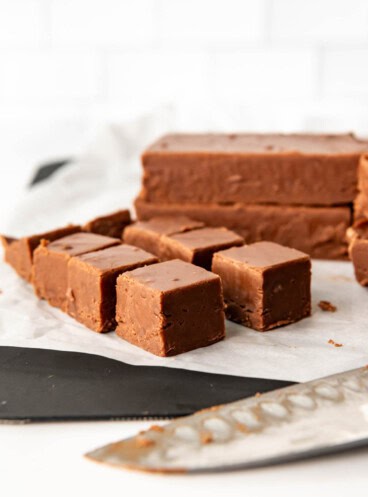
[(319, 417)]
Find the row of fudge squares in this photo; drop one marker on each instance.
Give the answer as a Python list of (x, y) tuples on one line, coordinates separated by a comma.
[(171, 307), (174, 306)]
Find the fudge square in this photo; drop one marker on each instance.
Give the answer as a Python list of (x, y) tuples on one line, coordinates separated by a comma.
[(109, 225), (357, 236), (198, 246), (18, 252), (170, 308), (91, 294), (50, 263), (147, 234), (265, 284)]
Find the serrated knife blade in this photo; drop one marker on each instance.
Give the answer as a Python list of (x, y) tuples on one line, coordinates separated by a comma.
[(318, 417)]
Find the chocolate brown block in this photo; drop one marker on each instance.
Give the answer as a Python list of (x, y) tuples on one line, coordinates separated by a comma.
[(147, 234), (299, 169), (265, 284), (318, 231), (170, 308), (18, 252), (358, 250), (363, 174), (91, 294), (198, 246), (50, 262), (110, 225)]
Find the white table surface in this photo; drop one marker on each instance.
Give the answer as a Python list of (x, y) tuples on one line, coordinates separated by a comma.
[(47, 460)]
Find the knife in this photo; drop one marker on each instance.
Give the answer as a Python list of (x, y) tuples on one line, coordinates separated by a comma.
[(319, 417)]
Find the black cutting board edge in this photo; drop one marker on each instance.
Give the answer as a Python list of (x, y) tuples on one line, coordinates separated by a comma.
[(49, 385)]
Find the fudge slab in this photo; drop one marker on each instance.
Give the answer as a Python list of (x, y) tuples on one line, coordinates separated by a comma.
[(50, 263), (198, 246), (299, 169), (147, 234), (170, 308), (91, 294), (109, 225), (18, 252), (363, 174), (265, 284), (318, 231), (357, 236)]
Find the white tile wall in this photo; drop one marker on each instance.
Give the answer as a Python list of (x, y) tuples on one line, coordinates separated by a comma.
[(319, 20), (252, 64), (209, 22)]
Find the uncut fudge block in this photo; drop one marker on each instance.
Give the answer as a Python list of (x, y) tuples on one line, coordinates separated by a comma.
[(252, 168), (318, 231), (91, 294), (363, 174), (361, 206), (357, 236), (198, 246), (265, 284), (18, 252), (110, 225), (50, 275), (148, 234), (170, 308)]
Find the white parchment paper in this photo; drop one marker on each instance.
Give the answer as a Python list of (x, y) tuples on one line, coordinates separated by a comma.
[(107, 177)]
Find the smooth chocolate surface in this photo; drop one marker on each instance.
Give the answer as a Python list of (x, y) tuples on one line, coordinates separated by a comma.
[(18, 252), (318, 231), (50, 275), (147, 234), (265, 284), (91, 294), (109, 225), (170, 308), (198, 246), (357, 236), (252, 168)]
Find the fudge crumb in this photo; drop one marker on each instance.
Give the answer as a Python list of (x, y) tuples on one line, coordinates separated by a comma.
[(206, 438), (325, 305), (258, 394), (156, 428), (144, 442), (335, 344), (242, 428)]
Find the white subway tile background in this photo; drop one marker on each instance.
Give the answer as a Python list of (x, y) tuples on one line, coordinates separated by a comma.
[(67, 66)]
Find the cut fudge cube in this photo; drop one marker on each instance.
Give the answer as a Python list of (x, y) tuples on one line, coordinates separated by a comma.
[(110, 225), (170, 308), (198, 246), (91, 294), (18, 252), (265, 284), (50, 275), (357, 236), (147, 234)]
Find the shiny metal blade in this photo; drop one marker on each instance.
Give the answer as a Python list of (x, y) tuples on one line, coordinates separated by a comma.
[(313, 418)]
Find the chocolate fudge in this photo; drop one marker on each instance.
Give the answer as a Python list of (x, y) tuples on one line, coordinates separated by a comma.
[(318, 231), (147, 234), (109, 225), (198, 246), (252, 168), (91, 294), (50, 262), (358, 249), (18, 252), (265, 284), (170, 308)]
